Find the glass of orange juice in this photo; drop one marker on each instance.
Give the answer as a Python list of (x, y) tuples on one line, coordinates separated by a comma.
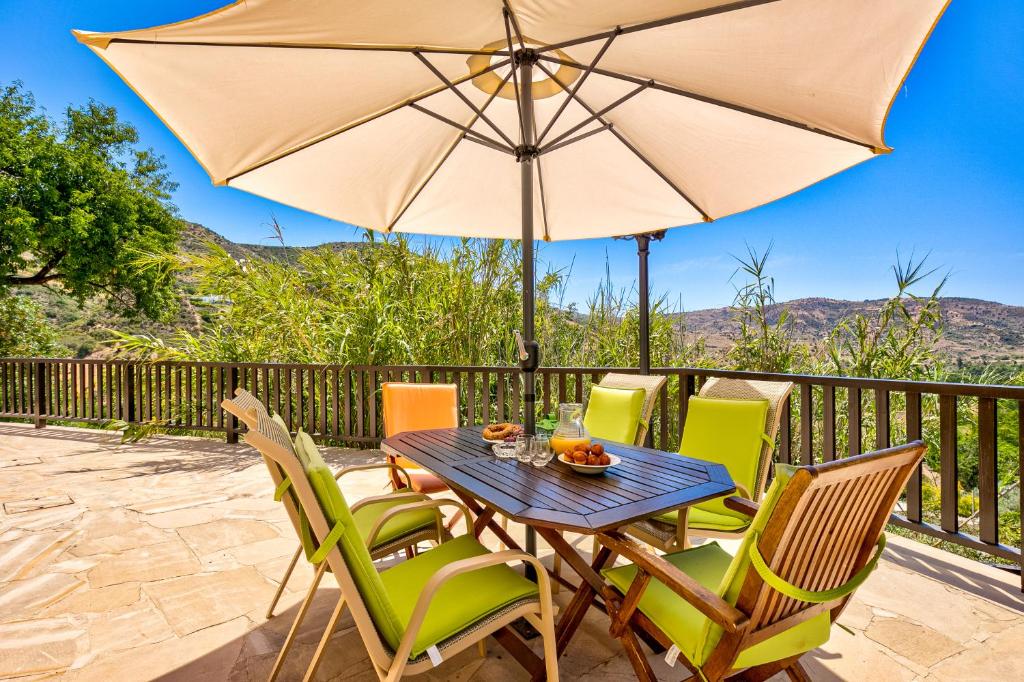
[(570, 431)]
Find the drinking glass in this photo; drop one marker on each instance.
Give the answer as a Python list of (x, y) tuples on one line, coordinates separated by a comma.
[(542, 453), (504, 450), (524, 445)]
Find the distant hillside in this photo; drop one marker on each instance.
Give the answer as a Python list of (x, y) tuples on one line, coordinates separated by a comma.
[(84, 328), (975, 330), (194, 236)]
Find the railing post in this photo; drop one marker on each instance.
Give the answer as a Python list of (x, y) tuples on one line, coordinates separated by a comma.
[(128, 399), (230, 423), (39, 376)]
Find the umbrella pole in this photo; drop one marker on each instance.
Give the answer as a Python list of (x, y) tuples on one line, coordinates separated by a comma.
[(526, 154)]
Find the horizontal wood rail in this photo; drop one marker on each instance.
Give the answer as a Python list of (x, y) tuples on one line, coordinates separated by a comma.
[(341, 404)]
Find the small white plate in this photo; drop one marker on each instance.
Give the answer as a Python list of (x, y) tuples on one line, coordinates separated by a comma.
[(592, 469)]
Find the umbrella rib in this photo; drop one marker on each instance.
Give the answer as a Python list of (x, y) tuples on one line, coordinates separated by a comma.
[(461, 95), (721, 103), (437, 167), (582, 136), (477, 137), (596, 116), (372, 117), (312, 46), (576, 86), (629, 145), (658, 23), (515, 22), (515, 77), (540, 184)]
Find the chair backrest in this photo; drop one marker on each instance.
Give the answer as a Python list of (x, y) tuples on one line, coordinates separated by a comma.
[(817, 529), (614, 413), (324, 506), (416, 407), (775, 392), (651, 385), (251, 411)]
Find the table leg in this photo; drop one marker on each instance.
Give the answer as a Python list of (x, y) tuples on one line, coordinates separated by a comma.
[(493, 525), (590, 585)]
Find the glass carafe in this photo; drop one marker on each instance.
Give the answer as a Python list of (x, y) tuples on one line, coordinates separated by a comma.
[(570, 430)]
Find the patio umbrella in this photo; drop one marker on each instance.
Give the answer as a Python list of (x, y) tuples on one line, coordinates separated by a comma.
[(526, 118)]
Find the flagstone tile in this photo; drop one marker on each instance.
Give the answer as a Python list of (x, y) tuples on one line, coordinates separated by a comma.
[(918, 643), (40, 646), (127, 627), (96, 600), (199, 601), (177, 502), (29, 504), (208, 654), (19, 558), (222, 534), (170, 559), (182, 518), (24, 598), (140, 536), (999, 658)]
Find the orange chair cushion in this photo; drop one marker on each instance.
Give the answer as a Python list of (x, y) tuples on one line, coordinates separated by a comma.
[(417, 407)]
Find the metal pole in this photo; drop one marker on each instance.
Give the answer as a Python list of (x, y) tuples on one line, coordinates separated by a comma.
[(526, 156), (643, 244)]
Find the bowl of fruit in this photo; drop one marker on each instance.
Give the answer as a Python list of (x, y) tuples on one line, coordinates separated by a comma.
[(589, 459), (504, 432)]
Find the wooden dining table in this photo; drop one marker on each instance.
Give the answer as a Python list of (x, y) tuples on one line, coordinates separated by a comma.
[(555, 499)]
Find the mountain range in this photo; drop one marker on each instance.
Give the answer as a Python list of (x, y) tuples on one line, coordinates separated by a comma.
[(976, 331)]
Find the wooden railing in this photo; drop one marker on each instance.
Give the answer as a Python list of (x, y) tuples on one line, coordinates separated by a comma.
[(965, 424)]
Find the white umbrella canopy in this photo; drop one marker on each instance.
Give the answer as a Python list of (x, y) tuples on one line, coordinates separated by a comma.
[(359, 111), (618, 117)]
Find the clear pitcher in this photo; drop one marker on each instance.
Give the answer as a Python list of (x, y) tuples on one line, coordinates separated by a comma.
[(570, 430)]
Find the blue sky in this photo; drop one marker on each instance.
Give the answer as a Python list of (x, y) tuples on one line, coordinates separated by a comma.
[(954, 186)]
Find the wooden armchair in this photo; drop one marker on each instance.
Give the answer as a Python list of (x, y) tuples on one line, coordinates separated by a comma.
[(747, 465), (814, 540), (412, 615)]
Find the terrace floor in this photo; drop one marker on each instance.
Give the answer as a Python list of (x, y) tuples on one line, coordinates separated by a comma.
[(157, 561)]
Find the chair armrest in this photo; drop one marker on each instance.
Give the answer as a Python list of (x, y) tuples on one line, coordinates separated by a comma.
[(411, 496), (379, 465), (461, 567), (704, 600), (743, 506), (428, 503)]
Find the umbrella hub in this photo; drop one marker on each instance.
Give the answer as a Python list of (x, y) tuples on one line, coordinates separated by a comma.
[(495, 80)]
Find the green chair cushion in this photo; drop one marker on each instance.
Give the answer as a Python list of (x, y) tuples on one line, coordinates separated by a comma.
[(401, 525), (350, 543), (728, 432), (699, 518), (614, 413), (714, 568), (678, 619), (459, 603)]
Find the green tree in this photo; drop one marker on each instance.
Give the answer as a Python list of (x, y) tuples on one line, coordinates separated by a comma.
[(24, 330), (78, 201)]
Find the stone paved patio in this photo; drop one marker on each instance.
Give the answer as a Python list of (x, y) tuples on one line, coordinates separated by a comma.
[(157, 561)]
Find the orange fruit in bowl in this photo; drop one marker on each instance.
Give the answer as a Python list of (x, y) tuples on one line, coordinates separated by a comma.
[(597, 449), (604, 459)]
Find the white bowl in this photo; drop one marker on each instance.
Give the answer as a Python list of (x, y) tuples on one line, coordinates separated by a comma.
[(591, 469)]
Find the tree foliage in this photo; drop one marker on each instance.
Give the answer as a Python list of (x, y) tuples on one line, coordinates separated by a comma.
[(78, 202), (25, 332)]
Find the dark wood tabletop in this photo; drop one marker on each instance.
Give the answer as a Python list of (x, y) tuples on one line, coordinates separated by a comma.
[(646, 483)]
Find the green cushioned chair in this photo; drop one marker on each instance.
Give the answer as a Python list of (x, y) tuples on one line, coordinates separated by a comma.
[(815, 538), (385, 522), (423, 610), (614, 413), (732, 422)]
